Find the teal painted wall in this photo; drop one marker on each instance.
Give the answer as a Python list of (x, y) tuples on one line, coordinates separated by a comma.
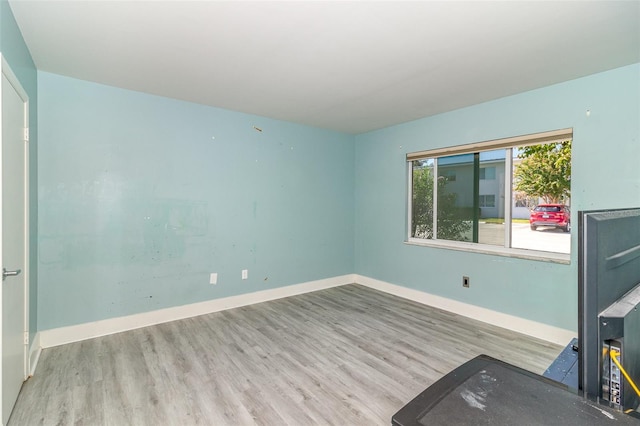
[(15, 52), (141, 197), (605, 174)]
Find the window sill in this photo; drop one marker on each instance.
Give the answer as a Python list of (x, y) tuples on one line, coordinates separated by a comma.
[(543, 256)]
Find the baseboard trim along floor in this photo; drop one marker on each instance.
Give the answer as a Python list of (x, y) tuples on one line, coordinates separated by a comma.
[(76, 333), (34, 353), (79, 332), (531, 328)]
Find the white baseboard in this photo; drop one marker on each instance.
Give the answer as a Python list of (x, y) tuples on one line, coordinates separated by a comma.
[(34, 354), (76, 333), (536, 329)]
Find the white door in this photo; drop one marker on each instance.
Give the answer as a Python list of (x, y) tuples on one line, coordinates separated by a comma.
[(14, 245)]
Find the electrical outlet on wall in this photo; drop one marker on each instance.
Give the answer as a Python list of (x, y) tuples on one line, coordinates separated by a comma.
[(213, 278), (465, 282), (245, 274)]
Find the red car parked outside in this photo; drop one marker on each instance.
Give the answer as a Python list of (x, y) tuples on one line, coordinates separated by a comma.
[(555, 215)]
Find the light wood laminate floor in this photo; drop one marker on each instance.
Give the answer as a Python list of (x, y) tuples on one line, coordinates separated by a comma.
[(348, 355)]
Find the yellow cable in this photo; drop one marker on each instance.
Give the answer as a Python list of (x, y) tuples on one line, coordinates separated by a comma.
[(614, 356)]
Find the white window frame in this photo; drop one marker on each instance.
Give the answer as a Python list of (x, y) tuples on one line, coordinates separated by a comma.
[(507, 144)]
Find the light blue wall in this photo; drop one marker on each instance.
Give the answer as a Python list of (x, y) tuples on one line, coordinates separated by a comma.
[(15, 52), (605, 174), (139, 202), (141, 197)]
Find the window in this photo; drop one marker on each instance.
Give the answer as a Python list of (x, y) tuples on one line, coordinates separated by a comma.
[(547, 209), (487, 173), (487, 200), (479, 196), (450, 175)]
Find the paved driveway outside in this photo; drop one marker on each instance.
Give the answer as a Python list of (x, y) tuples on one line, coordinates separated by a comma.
[(544, 239)]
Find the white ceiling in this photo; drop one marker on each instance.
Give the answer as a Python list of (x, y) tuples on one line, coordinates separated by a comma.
[(347, 66)]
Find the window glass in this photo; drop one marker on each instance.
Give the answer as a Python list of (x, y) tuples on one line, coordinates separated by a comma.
[(422, 198), (487, 173), (541, 176), (450, 175), (455, 199), (491, 212), (548, 209), (488, 200), (489, 197)]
